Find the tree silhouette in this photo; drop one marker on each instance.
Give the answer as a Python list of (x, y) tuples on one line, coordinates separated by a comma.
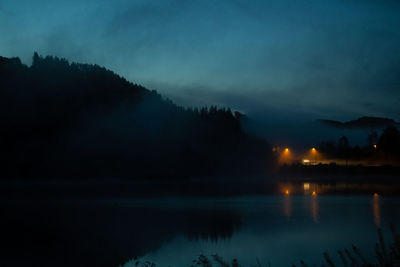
[(372, 138), (343, 148), (389, 142)]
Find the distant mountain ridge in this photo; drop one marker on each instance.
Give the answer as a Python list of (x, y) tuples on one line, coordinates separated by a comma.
[(361, 123)]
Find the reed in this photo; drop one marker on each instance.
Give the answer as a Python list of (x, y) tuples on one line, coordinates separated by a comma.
[(384, 256)]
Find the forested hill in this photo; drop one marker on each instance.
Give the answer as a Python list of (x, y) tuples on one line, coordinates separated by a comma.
[(62, 120)]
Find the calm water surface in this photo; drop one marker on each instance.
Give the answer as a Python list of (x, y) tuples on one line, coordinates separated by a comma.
[(279, 230)]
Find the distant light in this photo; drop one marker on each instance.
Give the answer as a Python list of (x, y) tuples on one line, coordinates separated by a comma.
[(313, 150), (376, 195), (374, 146), (306, 161), (286, 150), (287, 192), (306, 186), (314, 193)]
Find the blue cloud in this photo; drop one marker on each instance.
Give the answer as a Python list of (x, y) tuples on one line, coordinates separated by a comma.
[(326, 58)]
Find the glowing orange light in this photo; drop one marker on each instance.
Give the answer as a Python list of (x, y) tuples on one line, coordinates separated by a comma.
[(306, 186), (313, 149), (286, 150), (376, 195), (287, 192), (374, 146), (314, 193)]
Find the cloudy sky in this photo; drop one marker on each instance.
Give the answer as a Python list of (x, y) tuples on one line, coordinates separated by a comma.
[(285, 58)]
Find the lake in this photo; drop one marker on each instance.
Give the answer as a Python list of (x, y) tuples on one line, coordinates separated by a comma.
[(275, 229)]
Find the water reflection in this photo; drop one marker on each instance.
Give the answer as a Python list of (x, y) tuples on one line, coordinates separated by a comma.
[(287, 206), (103, 234), (277, 228), (307, 188), (281, 229), (376, 210), (314, 208), (213, 225), (312, 190)]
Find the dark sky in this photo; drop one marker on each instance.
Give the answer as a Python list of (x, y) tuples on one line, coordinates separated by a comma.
[(270, 59)]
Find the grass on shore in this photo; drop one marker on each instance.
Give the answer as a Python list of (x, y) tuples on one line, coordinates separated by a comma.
[(384, 257)]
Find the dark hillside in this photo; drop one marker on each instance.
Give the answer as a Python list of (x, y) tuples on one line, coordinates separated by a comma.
[(62, 120)]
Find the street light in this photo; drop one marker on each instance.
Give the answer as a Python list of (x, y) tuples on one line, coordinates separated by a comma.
[(285, 156), (314, 154)]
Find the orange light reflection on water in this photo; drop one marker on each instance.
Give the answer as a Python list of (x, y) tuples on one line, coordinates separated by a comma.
[(376, 211), (314, 209), (287, 206)]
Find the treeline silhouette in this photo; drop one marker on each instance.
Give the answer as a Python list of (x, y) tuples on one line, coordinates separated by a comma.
[(376, 162), (385, 148), (70, 120)]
